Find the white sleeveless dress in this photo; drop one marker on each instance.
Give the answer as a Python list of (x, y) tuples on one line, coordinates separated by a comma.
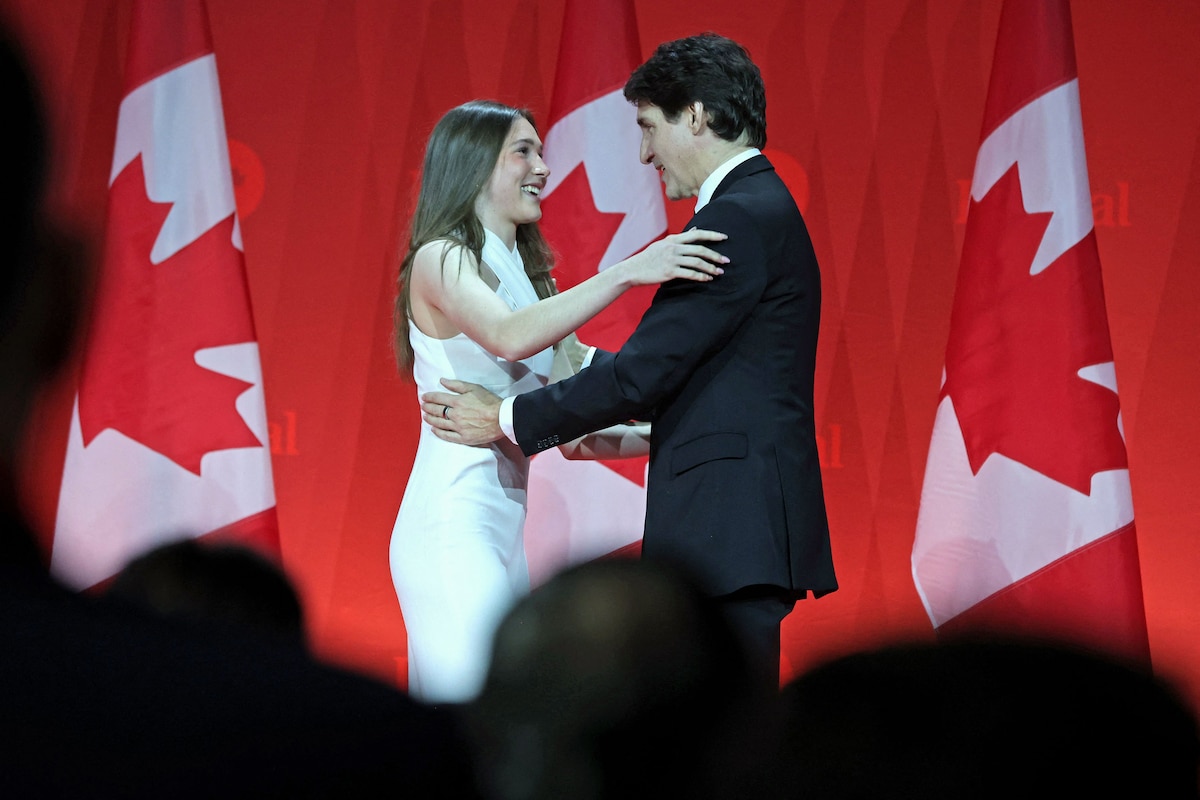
[(457, 553)]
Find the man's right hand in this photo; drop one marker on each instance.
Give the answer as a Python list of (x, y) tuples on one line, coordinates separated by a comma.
[(469, 416)]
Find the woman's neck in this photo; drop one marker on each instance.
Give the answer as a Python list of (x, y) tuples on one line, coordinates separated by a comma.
[(508, 235)]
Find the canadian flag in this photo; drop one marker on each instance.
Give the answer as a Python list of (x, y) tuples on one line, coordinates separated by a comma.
[(1026, 521), (168, 438), (601, 205)]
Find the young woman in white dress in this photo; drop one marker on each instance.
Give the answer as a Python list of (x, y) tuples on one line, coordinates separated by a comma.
[(476, 302)]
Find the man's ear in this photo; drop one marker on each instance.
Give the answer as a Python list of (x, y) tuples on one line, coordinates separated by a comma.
[(697, 117)]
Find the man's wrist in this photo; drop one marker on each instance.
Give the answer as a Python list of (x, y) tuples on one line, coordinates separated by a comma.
[(506, 419)]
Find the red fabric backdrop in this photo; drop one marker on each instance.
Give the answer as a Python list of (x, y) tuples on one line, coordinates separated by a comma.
[(875, 108)]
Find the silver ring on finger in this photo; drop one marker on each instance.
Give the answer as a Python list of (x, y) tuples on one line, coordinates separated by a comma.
[(445, 412)]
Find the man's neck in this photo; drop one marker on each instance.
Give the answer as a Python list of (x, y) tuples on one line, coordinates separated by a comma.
[(720, 152), (718, 174)]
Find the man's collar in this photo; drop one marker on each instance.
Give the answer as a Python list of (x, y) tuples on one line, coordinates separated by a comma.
[(714, 179)]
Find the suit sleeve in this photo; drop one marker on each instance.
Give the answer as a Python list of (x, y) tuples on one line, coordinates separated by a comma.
[(686, 323)]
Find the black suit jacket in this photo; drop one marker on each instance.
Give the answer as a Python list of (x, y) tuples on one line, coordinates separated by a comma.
[(724, 369)]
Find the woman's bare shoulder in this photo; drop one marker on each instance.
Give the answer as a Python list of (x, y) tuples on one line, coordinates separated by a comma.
[(438, 252)]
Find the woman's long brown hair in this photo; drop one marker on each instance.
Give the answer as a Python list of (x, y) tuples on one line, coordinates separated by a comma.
[(459, 159)]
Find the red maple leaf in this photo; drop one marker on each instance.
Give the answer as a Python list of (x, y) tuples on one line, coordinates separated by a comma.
[(1018, 341), (140, 376), (580, 234)]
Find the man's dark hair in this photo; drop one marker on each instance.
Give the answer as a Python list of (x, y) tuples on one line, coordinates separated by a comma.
[(712, 69)]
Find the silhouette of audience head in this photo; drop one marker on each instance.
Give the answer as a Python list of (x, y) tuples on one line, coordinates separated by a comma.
[(222, 583), (43, 279), (984, 719), (615, 679), (43, 286)]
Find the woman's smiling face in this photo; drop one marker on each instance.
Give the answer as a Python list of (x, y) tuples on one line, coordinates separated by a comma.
[(512, 195)]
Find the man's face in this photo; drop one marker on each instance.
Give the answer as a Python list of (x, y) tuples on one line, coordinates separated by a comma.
[(670, 148)]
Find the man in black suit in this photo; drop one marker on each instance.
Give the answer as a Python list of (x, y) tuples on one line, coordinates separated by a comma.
[(723, 369)]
